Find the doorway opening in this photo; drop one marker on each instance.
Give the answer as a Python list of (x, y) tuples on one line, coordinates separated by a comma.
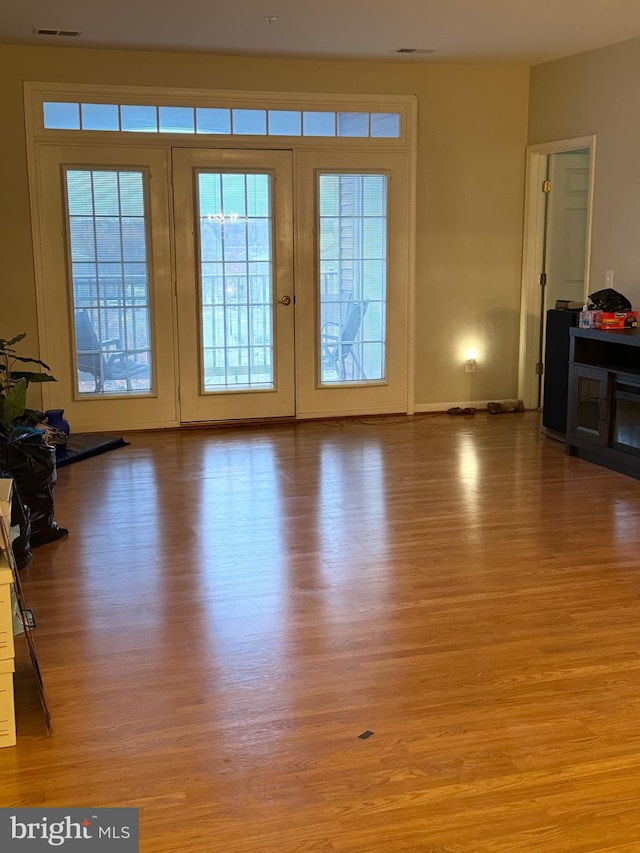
[(557, 246)]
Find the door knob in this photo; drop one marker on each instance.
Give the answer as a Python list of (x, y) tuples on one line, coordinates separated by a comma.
[(286, 300)]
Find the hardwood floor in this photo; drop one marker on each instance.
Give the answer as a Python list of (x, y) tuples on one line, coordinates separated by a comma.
[(233, 608)]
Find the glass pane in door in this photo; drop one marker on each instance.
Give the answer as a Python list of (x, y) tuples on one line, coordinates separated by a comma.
[(108, 251), (353, 277), (236, 281)]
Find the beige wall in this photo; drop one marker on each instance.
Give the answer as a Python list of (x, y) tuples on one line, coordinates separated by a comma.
[(472, 135), (597, 92)]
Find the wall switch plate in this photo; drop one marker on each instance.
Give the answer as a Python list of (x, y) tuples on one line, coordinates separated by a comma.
[(470, 365), (608, 278)]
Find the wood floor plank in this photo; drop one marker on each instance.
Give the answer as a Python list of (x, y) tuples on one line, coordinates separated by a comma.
[(234, 607)]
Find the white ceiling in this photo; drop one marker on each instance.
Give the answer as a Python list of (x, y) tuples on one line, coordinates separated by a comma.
[(524, 31)]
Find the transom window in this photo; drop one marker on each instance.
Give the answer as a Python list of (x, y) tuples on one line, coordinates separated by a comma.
[(143, 118)]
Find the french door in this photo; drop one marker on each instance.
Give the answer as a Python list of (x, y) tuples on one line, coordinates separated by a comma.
[(249, 284), (257, 340), (235, 283)]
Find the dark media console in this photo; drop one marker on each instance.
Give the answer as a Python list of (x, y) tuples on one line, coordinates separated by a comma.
[(603, 407)]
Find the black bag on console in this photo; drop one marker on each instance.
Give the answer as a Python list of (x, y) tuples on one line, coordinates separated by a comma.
[(609, 300)]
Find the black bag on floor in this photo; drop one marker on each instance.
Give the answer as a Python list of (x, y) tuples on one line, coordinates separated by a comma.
[(20, 518), (32, 464)]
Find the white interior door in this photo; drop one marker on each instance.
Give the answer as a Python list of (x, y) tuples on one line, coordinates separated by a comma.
[(235, 293), (566, 226), (352, 224), (106, 314), (565, 236), (534, 301)]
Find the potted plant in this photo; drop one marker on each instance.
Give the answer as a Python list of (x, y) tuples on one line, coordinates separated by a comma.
[(13, 386), (24, 453)]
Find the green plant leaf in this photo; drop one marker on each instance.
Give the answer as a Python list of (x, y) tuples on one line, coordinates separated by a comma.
[(32, 377), (14, 402), (4, 344), (32, 417), (31, 361)]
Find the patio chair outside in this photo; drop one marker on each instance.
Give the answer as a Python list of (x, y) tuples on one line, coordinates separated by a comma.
[(104, 360), (340, 342)]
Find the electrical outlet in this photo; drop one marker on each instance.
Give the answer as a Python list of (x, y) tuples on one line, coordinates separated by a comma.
[(470, 365), (608, 278)]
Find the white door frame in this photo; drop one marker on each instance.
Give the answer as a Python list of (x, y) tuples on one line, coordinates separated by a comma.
[(533, 242)]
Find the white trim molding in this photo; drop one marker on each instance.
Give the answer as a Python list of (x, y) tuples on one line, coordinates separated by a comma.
[(36, 94), (533, 240)]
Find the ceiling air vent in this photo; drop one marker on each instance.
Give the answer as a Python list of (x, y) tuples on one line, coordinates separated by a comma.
[(423, 51), (51, 31)]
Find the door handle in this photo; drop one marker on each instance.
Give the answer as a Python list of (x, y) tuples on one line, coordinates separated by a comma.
[(286, 300), (602, 409)]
